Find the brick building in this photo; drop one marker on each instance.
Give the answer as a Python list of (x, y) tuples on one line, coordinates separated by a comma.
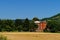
[(41, 25)]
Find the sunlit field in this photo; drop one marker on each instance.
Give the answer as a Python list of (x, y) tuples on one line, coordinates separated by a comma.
[(31, 35)]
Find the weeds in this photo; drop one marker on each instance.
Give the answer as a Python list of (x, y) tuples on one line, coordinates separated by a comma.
[(3, 37)]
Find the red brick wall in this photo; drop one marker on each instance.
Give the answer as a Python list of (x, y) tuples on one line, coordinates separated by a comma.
[(42, 26)]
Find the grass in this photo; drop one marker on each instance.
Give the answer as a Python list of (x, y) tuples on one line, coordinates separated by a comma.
[(3, 37), (31, 35)]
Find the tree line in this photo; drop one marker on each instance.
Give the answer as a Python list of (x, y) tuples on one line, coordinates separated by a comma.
[(18, 25), (26, 25), (52, 26)]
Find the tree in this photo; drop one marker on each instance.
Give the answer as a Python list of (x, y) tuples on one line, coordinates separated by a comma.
[(20, 28), (18, 24), (52, 26), (32, 26), (26, 25), (35, 19), (0, 25)]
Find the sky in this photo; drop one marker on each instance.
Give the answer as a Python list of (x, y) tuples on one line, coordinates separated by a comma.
[(14, 9)]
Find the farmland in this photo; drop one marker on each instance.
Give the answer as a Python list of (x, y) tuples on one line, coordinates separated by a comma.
[(31, 36)]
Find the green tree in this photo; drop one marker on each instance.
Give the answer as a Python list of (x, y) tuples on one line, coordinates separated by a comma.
[(20, 28), (7, 25), (18, 24), (35, 19), (52, 26), (0, 25), (26, 25), (10, 25), (32, 26)]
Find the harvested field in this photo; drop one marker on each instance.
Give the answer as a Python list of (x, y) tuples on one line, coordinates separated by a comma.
[(31, 36)]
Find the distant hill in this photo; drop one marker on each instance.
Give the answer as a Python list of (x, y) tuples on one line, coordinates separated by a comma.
[(55, 17)]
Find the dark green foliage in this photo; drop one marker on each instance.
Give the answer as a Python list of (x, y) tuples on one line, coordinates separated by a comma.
[(35, 19), (32, 26), (18, 24), (26, 25), (53, 24)]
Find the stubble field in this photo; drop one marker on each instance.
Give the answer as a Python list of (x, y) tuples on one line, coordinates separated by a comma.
[(31, 35)]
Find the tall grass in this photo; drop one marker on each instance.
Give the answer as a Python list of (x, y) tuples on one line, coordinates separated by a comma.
[(3, 37)]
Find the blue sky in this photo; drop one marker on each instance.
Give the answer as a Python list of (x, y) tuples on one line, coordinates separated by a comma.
[(13, 9)]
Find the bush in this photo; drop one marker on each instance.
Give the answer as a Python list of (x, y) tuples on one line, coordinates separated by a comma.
[(3, 37)]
